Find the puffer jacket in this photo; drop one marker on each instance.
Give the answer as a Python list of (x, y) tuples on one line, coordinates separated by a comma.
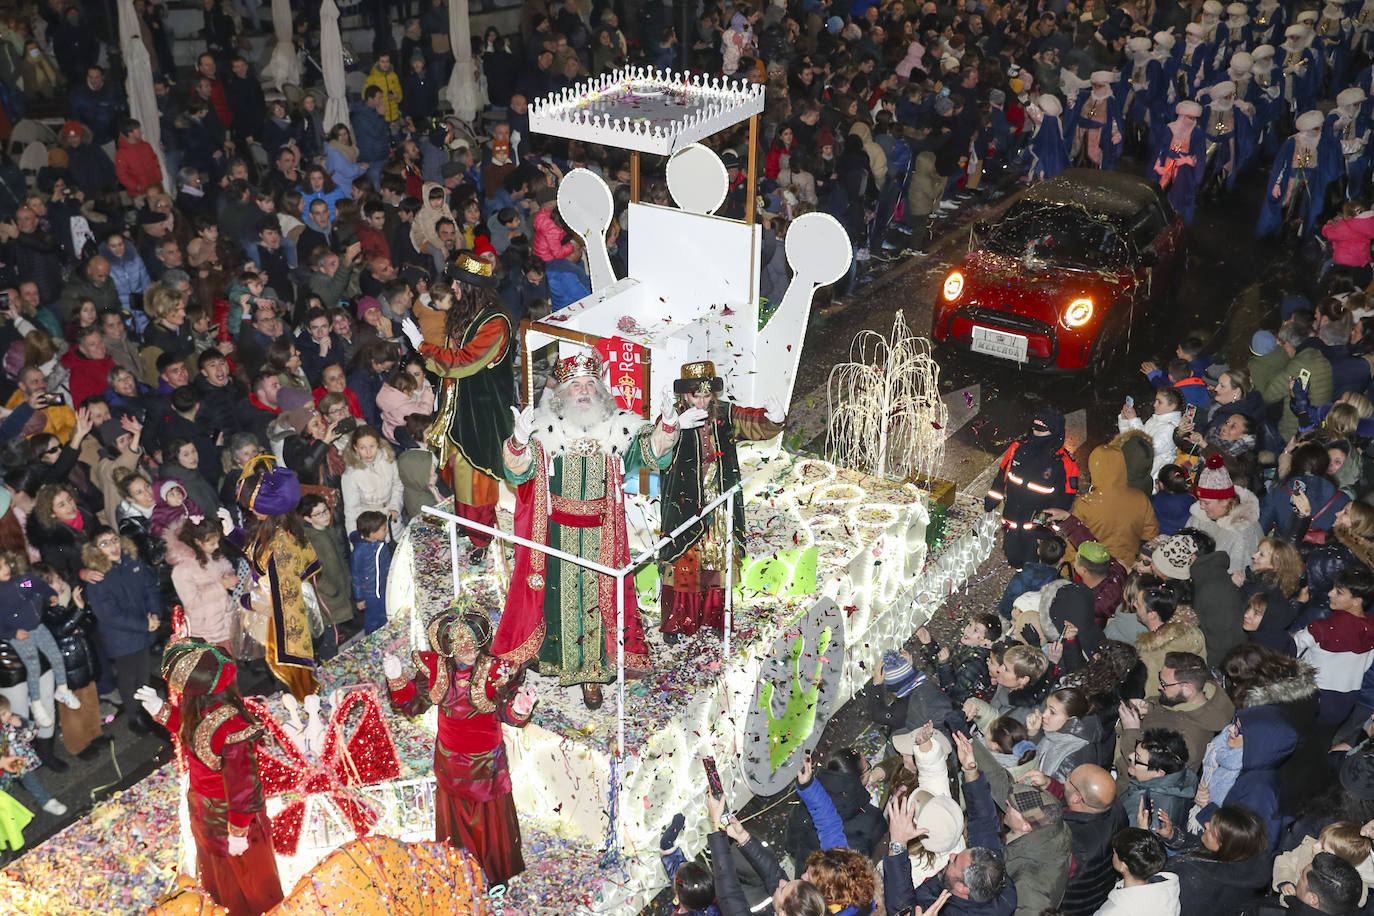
[(1171, 793), (375, 487), (1160, 428), (861, 820), (1180, 634), (128, 273), (1081, 740), (209, 612), (74, 630), (1237, 533), (1119, 516), (122, 602), (1304, 772)]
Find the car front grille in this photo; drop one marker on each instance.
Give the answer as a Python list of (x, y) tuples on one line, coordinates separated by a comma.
[(1010, 321)]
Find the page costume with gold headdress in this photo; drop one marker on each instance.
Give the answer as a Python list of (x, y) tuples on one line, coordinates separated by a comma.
[(473, 807), (476, 394), (224, 794), (570, 495), (704, 465), (282, 568)]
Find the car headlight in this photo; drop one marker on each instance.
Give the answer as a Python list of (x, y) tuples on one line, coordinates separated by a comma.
[(1079, 313), (954, 285)]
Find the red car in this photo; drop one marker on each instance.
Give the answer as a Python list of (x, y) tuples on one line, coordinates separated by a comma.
[(1060, 280)]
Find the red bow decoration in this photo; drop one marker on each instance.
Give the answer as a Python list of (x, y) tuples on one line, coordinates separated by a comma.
[(365, 757)]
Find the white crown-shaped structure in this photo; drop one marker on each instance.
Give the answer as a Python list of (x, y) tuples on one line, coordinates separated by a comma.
[(645, 109)]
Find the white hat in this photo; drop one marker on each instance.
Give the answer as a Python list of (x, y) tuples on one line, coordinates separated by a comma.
[(1332, 11), (1194, 28), (1188, 107), (1165, 40), (1263, 52), (1212, 7), (943, 822), (1236, 9), (1352, 96), (1310, 120), (1307, 16), (1138, 43), (1050, 105), (1241, 62), (1222, 89), (1104, 76), (1295, 31)]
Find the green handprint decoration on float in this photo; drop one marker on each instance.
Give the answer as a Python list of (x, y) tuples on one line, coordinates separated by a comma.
[(787, 732), (798, 680)]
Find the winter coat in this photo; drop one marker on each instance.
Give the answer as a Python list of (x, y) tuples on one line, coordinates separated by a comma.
[(122, 602), (1160, 428), (1197, 721), (1277, 510), (1350, 239), (1157, 897), (1119, 516), (1181, 633), (197, 488), (926, 188), (415, 465), (370, 133), (1171, 510), (1171, 793), (1340, 648), (371, 561), (395, 405), (86, 376), (1217, 603), (390, 84), (1075, 603), (568, 282), (964, 674), (1079, 741), (1038, 865), (74, 629), (1269, 741), (22, 600), (861, 820), (1029, 578), (137, 166), (1276, 390), (376, 487), (206, 603), (1208, 887), (333, 585), (1295, 697), (1237, 533), (128, 273), (548, 238), (1289, 866), (59, 544), (1092, 876)]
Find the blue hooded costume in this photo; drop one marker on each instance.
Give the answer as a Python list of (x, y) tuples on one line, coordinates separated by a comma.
[(1229, 134), (1298, 187), (1096, 123), (1346, 142), (1178, 159), (1049, 148)]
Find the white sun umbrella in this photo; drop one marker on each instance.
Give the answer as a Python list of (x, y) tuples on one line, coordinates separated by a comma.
[(138, 83), (331, 60), (462, 85), (285, 66)]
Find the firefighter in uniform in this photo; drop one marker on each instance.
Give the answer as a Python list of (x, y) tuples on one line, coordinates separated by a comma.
[(1035, 474)]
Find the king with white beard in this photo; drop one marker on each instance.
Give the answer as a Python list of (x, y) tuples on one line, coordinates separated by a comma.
[(568, 459)]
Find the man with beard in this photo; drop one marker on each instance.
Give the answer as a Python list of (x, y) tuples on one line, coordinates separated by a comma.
[(692, 566), (568, 459), (467, 341), (1189, 702), (1035, 473)]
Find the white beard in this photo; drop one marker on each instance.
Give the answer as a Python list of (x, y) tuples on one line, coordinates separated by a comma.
[(612, 430), (1102, 93)]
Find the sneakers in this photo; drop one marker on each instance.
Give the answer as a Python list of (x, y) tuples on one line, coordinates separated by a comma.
[(54, 807), (65, 696), (949, 205), (42, 716), (113, 698)]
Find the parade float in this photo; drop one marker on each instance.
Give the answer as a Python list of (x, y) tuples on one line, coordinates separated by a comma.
[(846, 555)]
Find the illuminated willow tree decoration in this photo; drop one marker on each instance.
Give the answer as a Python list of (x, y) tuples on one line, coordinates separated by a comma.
[(886, 415)]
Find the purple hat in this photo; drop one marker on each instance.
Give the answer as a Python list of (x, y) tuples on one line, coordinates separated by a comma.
[(271, 491), (367, 304), (289, 399)]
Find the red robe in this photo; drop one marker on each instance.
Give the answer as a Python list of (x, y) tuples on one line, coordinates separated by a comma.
[(225, 798), (473, 807)]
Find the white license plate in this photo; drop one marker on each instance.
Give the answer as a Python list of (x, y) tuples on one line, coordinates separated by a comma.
[(999, 343)]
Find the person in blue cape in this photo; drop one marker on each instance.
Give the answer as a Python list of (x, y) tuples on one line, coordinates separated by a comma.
[(1049, 149), (1347, 133), (1142, 86), (1268, 21), (1230, 137), (1096, 127), (1165, 42), (1233, 34), (1194, 59), (1332, 43), (1298, 181), (1179, 158), (1300, 69), (1266, 82)]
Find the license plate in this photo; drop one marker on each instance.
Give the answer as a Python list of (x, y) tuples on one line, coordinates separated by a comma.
[(999, 343)]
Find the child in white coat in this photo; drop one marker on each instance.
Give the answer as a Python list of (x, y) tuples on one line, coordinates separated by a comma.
[(1144, 890), (371, 480), (1168, 412)]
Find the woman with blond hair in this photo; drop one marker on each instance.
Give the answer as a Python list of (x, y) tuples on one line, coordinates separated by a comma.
[(1275, 571), (371, 480)]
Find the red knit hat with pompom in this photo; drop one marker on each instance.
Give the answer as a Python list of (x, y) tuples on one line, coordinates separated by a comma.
[(1215, 482)]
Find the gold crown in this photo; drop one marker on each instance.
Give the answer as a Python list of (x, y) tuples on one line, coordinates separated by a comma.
[(581, 365), (468, 264), (704, 369)]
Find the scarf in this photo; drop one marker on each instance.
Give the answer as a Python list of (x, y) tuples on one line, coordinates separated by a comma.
[(348, 152), (1220, 767)]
